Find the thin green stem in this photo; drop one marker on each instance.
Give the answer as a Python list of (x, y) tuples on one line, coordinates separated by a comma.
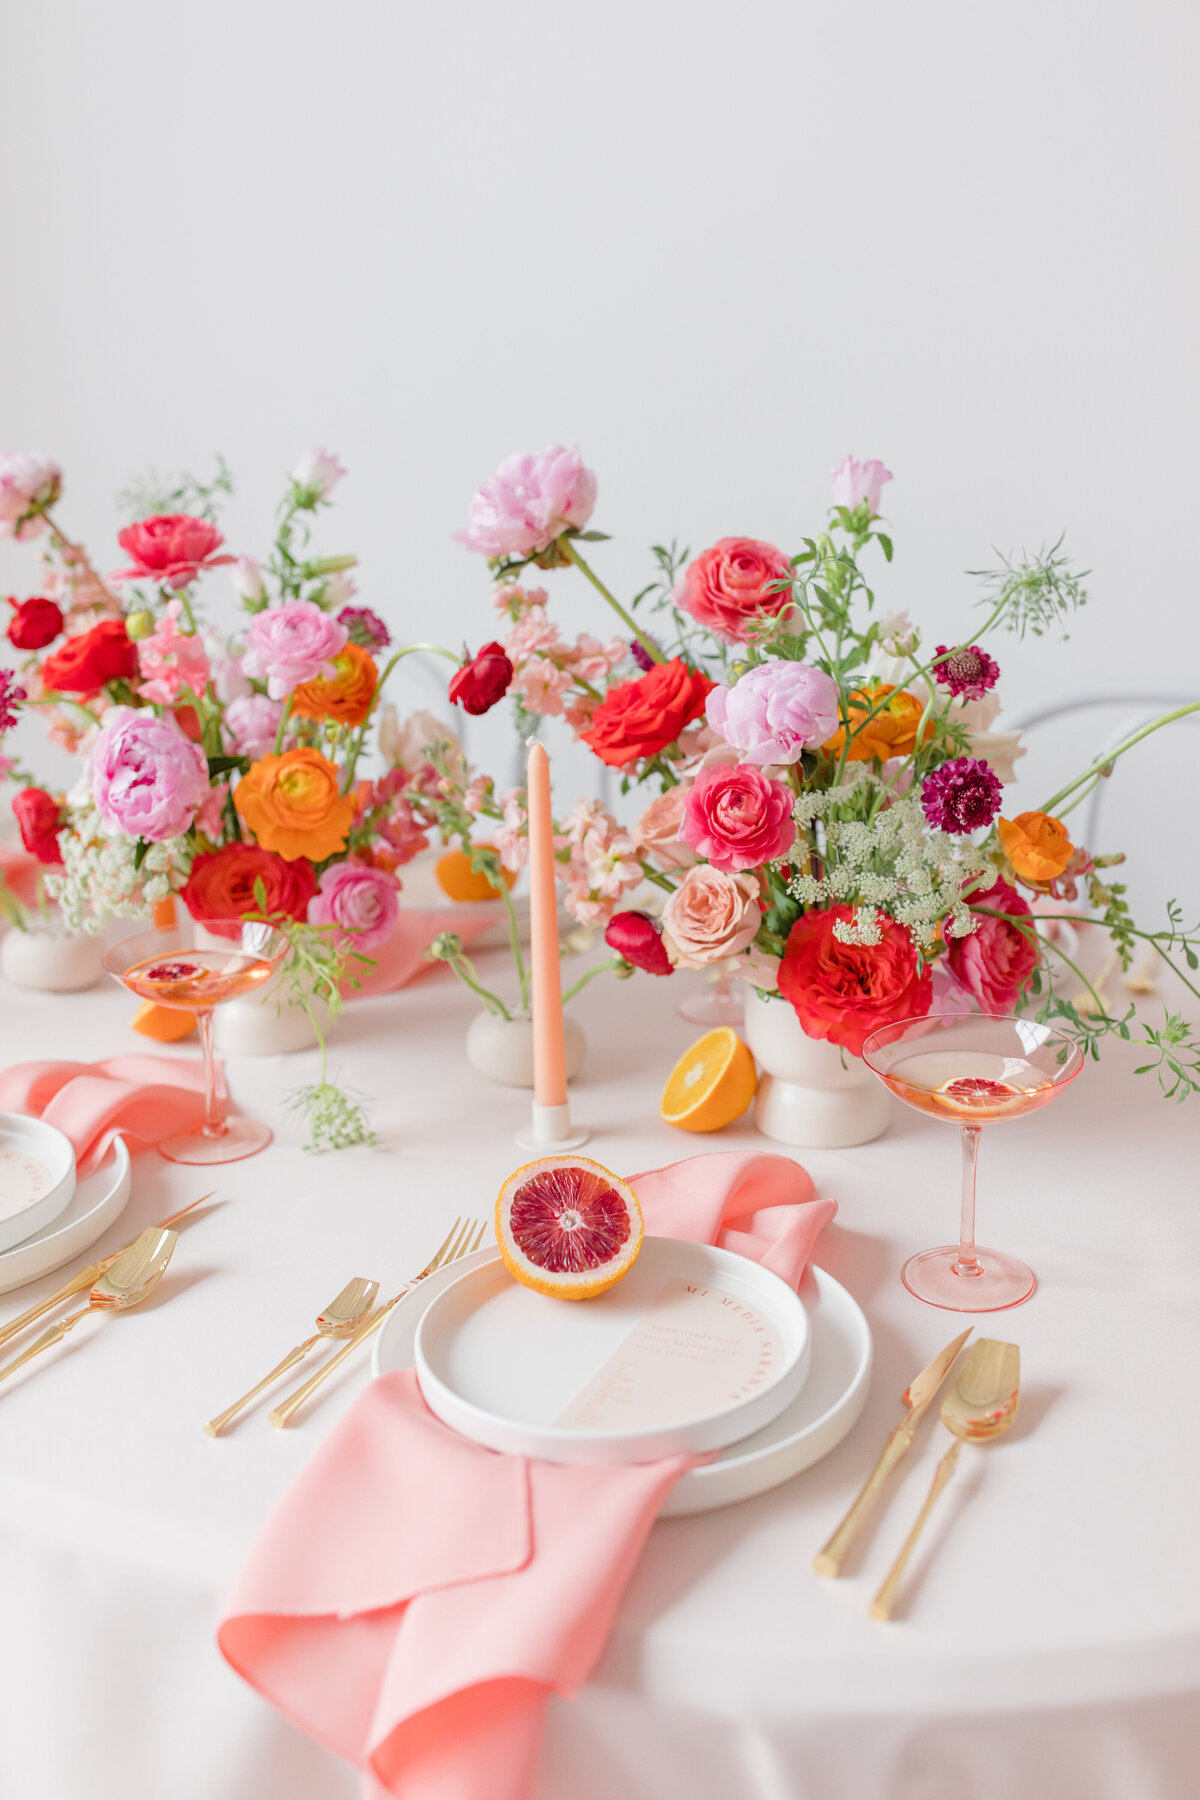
[(656, 876), (514, 939), (409, 650), (283, 719), (1103, 762), (599, 969), (465, 972), (1101, 1007), (648, 645)]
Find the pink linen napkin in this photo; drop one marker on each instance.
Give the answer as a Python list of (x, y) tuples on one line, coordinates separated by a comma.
[(144, 1097), (402, 958), (415, 1598)]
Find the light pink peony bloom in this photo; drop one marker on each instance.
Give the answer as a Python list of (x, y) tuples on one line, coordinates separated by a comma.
[(776, 711), (147, 779), (656, 833), (738, 818), (317, 474), (854, 482), (28, 481), (171, 660), (251, 723), (529, 501), (710, 916), (290, 644), (247, 580), (359, 900)]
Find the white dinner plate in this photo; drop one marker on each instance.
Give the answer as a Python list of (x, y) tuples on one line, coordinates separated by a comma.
[(826, 1408), (96, 1202), (37, 1176)]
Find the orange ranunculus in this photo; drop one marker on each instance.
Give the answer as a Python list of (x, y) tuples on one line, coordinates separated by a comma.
[(346, 699), (1036, 844), (893, 730), (292, 805)]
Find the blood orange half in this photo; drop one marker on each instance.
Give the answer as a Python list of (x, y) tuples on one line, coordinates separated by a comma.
[(974, 1093), (568, 1226)]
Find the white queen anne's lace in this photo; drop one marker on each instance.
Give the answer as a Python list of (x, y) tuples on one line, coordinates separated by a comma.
[(100, 879)]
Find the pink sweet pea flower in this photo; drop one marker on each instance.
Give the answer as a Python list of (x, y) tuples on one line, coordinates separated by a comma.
[(290, 644), (529, 501), (170, 548), (854, 482), (738, 818), (359, 900), (172, 660)]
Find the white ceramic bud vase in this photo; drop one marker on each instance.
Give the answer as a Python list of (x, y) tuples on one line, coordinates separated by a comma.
[(266, 1022), (48, 957), (502, 1049), (810, 1093)]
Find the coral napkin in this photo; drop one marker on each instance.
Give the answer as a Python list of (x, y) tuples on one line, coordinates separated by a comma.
[(146, 1097), (415, 1599)]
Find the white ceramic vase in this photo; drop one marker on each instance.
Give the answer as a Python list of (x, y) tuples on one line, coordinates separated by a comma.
[(810, 1093), (266, 1023), (50, 958), (502, 1049)]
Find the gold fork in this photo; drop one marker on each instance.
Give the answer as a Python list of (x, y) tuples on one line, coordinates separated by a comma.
[(136, 1272), (342, 1316), (464, 1236)]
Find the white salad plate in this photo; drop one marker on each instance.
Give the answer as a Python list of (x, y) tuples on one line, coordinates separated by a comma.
[(825, 1410), (96, 1202), (37, 1176)]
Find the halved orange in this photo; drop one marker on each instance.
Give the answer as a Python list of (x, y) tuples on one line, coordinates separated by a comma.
[(567, 1226), (456, 877), (711, 1085)]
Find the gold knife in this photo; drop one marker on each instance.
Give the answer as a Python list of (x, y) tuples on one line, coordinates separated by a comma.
[(916, 1397)]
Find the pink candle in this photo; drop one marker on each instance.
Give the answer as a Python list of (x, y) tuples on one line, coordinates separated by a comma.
[(549, 1062)]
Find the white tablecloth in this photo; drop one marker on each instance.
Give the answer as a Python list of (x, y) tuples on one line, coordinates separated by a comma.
[(1051, 1650)]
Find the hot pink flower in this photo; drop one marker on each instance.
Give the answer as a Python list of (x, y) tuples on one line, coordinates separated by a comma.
[(360, 901), (147, 779), (170, 548), (291, 644), (738, 818), (776, 711), (994, 963), (854, 482), (28, 484), (530, 500), (172, 659), (251, 722), (731, 588)]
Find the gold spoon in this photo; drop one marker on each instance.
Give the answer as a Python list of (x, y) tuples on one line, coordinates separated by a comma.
[(135, 1273), (339, 1320), (980, 1406)]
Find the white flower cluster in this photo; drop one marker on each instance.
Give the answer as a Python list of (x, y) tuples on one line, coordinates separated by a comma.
[(100, 880)]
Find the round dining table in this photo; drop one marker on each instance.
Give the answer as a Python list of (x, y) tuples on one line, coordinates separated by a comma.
[(1047, 1641)]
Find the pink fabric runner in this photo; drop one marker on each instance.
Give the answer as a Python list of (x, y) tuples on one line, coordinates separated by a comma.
[(415, 1599), (144, 1097), (402, 958)]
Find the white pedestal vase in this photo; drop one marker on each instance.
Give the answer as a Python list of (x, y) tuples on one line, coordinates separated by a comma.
[(502, 1049), (48, 957), (265, 1022), (810, 1093)]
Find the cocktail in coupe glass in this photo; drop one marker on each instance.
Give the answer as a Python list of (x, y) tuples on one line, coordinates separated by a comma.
[(975, 1072), (172, 969)]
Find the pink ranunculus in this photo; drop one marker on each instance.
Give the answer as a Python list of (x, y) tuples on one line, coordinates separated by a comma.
[(171, 660), (317, 474), (710, 916), (147, 779), (359, 900), (733, 587), (170, 548), (290, 644), (776, 711), (994, 963), (529, 501), (738, 818), (251, 723), (656, 833), (854, 482), (29, 483)]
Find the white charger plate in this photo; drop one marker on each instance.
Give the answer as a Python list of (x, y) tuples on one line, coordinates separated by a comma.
[(48, 1157), (96, 1202), (826, 1409)]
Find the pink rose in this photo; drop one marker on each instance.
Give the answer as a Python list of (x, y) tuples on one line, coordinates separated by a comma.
[(710, 916), (529, 501), (172, 660), (360, 901), (731, 588), (147, 779), (29, 483), (656, 833), (776, 711), (738, 818), (316, 475), (994, 963), (170, 548), (291, 644), (251, 723), (854, 482)]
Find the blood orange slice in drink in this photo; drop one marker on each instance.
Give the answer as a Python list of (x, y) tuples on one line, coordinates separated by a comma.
[(568, 1226), (974, 1093)]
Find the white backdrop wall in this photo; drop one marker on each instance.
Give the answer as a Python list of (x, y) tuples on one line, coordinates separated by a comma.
[(718, 245)]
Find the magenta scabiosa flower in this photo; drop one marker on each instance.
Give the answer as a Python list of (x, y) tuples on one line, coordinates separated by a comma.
[(962, 796), (365, 627), (968, 673), (641, 655)]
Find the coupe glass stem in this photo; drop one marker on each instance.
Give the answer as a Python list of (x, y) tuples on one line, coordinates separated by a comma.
[(966, 1262), (214, 1107)]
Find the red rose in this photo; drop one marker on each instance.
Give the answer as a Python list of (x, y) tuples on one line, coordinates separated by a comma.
[(995, 961), (482, 680), (728, 588), (86, 662), (39, 816), (221, 884), (636, 937), (170, 548), (844, 992), (640, 718), (34, 624)]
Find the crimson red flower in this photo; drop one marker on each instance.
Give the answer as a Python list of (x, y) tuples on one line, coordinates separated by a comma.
[(35, 623), (91, 659), (994, 962), (483, 679), (844, 992), (170, 548), (221, 884), (731, 588), (640, 718), (39, 816), (636, 937)]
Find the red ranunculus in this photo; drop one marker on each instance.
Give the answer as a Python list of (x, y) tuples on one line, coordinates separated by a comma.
[(995, 961), (636, 937), (86, 662), (482, 680), (729, 588), (39, 816), (35, 623), (221, 884), (170, 548), (844, 992), (640, 718)]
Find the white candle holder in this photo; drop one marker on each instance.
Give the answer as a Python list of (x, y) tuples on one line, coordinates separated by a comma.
[(550, 1130)]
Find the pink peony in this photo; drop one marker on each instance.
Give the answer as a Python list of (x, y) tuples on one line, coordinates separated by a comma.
[(731, 588), (738, 818), (854, 482), (360, 901), (172, 659), (29, 483), (656, 833), (170, 548), (251, 723), (291, 644), (776, 711), (994, 963), (147, 779), (530, 500), (316, 475), (710, 916)]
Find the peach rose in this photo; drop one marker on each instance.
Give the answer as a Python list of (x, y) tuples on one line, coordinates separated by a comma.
[(1036, 845), (710, 916), (893, 730), (345, 697), (656, 833), (292, 805)]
